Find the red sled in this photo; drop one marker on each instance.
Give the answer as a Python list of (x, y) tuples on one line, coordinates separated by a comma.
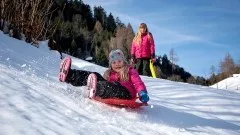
[(132, 103), (91, 87)]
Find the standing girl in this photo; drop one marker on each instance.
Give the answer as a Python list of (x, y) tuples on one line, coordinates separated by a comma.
[(143, 50)]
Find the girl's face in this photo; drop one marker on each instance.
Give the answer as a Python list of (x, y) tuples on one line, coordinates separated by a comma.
[(117, 65), (142, 30)]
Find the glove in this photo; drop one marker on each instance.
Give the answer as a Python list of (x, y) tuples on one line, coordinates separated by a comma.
[(153, 60), (143, 96)]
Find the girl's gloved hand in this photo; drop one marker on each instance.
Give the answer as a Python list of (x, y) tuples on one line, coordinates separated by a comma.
[(143, 96), (153, 60)]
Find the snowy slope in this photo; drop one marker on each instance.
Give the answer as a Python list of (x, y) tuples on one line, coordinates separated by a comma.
[(33, 101), (231, 83)]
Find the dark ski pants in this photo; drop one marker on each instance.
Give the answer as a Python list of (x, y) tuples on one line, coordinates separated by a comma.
[(105, 89), (143, 66)]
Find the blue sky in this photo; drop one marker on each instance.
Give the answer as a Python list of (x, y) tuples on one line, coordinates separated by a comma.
[(200, 32)]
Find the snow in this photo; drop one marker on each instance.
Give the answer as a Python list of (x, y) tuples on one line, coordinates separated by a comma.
[(236, 75), (231, 83), (33, 101), (89, 58)]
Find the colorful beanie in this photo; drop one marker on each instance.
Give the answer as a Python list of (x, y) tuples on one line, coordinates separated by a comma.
[(116, 55)]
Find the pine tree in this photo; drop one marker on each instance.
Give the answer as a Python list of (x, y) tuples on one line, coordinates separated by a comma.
[(88, 15), (165, 66), (227, 66), (119, 23), (111, 25), (68, 11), (130, 36), (213, 78), (76, 24), (173, 58), (100, 15)]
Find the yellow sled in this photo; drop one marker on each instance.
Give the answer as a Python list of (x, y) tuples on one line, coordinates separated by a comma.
[(152, 68)]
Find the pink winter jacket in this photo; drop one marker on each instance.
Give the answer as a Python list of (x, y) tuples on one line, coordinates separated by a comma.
[(144, 49), (134, 84)]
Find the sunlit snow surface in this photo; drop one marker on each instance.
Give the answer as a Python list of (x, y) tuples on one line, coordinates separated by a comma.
[(34, 102)]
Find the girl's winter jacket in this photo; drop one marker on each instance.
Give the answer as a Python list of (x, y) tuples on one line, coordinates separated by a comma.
[(134, 83), (144, 49)]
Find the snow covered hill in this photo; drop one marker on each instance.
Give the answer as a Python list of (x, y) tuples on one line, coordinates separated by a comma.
[(34, 102), (231, 83)]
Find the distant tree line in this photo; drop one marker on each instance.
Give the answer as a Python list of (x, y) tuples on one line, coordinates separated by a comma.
[(227, 67), (168, 69), (82, 33)]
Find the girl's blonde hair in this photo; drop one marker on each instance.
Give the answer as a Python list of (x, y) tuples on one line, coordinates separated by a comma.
[(137, 38), (123, 73)]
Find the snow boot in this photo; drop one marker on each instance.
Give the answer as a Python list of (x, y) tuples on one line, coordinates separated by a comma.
[(92, 85), (64, 69)]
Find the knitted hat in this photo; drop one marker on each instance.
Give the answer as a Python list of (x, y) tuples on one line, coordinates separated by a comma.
[(116, 55)]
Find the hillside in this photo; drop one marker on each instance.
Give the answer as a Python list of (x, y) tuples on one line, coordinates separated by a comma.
[(33, 101), (231, 83)]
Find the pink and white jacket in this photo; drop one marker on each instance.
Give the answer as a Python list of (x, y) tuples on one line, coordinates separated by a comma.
[(144, 49), (134, 83)]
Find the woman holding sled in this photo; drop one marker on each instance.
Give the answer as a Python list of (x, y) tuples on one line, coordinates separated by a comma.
[(119, 81)]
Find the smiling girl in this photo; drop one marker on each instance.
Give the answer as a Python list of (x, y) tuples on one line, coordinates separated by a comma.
[(119, 81)]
